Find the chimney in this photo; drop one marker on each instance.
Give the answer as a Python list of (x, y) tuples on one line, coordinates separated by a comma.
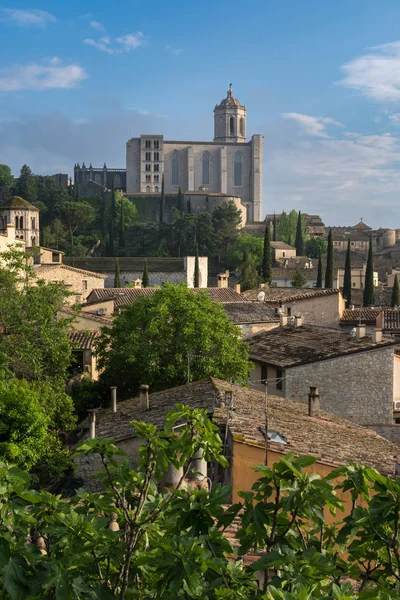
[(360, 331), (223, 279), (113, 398), (144, 398), (283, 319), (298, 321), (313, 402), (137, 284), (376, 336), (237, 288), (92, 423)]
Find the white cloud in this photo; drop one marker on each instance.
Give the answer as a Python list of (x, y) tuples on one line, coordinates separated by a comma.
[(395, 118), (41, 77), (125, 43), (173, 50), (315, 126), (27, 18), (375, 73), (97, 25)]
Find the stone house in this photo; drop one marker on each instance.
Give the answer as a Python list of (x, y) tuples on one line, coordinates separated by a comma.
[(316, 306), (82, 345), (78, 282), (161, 270), (251, 317), (281, 250), (239, 413), (106, 301), (354, 372)]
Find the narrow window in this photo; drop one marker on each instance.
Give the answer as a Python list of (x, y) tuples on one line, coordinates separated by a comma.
[(156, 144), (156, 156), (21, 222), (148, 143), (156, 178), (148, 178), (16, 222), (84, 284), (237, 169), (242, 127), (175, 168), (264, 372), (206, 168), (148, 168), (33, 223), (148, 155), (156, 168), (147, 188), (156, 188), (231, 126)]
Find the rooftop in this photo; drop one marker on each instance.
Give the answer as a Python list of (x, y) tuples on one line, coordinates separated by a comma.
[(282, 246), (17, 202), (67, 310), (331, 439), (291, 346), (242, 313), (122, 296), (126, 263), (366, 315), (276, 294), (82, 340), (44, 268)]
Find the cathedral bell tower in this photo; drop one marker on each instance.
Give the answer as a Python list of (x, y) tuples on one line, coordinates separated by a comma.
[(230, 120)]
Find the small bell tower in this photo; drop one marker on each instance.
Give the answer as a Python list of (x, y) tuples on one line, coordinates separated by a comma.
[(230, 120)]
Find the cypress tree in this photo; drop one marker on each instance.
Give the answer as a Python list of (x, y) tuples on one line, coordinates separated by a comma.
[(121, 234), (299, 280), (248, 272), (329, 263), (395, 292), (266, 267), (369, 293), (289, 240), (299, 243), (117, 276), (180, 202), (319, 272), (145, 278), (347, 277), (162, 202), (189, 207), (196, 279), (274, 229)]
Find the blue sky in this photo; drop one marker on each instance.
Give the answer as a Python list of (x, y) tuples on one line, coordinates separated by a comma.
[(321, 82)]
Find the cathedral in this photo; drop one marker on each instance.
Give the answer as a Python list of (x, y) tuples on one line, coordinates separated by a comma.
[(229, 167)]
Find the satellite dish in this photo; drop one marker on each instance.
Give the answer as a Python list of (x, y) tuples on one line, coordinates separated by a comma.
[(261, 297)]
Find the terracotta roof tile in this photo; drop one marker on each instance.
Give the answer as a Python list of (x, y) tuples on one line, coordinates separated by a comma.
[(122, 296), (82, 340), (241, 313), (367, 315), (291, 346), (42, 269), (274, 294)]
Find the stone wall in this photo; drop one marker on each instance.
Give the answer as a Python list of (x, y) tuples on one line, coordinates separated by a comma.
[(318, 310), (79, 283), (358, 387), (390, 432)]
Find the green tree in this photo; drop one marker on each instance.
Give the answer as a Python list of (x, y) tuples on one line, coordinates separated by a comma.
[(274, 229), (287, 227), (369, 290), (196, 277), (319, 271), (395, 292), (299, 280), (299, 243), (145, 278), (25, 185), (6, 176), (329, 263), (117, 275), (152, 340), (189, 207), (180, 202), (254, 245), (227, 220), (121, 232), (315, 245), (76, 216), (266, 268), (248, 273), (162, 201), (347, 277)]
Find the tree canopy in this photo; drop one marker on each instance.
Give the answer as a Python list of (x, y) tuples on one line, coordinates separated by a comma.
[(172, 336)]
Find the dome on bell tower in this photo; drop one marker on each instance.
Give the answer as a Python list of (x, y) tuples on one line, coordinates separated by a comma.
[(230, 120)]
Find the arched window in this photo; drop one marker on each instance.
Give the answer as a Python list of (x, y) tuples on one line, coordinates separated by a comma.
[(16, 222), (206, 168), (242, 127), (237, 169), (33, 241), (33, 223), (232, 126), (175, 168), (156, 188), (21, 222), (147, 188)]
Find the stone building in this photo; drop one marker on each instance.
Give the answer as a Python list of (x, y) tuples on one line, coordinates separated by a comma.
[(93, 181), (251, 317), (25, 218), (354, 372), (161, 270), (316, 307), (229, 164)]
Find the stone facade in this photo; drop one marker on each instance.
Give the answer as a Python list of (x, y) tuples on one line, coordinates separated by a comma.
[(228, 165), (25, 218), (80, 283), (93, 181)]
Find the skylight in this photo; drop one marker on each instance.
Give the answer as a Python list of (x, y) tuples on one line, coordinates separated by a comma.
[(274, 436)]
